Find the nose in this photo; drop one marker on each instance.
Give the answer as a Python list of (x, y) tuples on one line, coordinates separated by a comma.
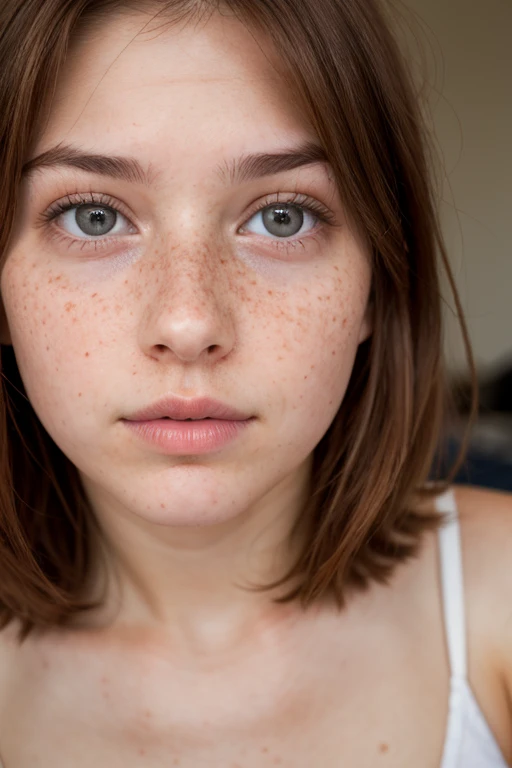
[(188, 314)]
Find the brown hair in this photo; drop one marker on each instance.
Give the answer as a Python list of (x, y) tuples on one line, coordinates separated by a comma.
[(365, 513)]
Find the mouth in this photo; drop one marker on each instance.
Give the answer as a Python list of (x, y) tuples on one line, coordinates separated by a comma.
[(181, 409), (188, 436), (168, 418)]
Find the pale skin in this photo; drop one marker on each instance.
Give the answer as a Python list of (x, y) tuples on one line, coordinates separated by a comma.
[(191, 296)]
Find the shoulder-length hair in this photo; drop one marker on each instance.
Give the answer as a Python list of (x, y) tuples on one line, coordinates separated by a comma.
[(366, 511)]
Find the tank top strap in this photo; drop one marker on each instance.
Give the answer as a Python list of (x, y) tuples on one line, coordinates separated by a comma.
[(452, 584)]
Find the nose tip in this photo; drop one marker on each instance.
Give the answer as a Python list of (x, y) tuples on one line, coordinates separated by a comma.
[(190, 321)]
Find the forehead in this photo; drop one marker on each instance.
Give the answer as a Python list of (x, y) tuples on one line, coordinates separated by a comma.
[(216, 84)]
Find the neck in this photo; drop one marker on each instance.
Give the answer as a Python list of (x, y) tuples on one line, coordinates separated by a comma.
[(194, 584)]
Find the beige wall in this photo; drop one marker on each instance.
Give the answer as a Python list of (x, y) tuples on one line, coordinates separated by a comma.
[(471, 105)]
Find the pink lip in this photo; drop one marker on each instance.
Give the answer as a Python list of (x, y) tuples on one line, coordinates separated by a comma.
[(188, 438), (163, 425), (181, 408)]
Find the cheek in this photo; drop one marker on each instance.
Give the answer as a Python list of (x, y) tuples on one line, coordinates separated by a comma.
[(54, 339), (309, 339)]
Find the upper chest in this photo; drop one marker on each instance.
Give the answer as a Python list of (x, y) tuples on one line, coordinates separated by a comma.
[(367, 693), (368, 686)]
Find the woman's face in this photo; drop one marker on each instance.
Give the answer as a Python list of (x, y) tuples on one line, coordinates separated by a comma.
[(188, 270)]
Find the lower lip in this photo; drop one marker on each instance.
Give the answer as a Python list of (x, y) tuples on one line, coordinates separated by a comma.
[(188, 438)]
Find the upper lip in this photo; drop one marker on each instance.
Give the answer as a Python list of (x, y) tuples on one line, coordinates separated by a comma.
[(181, 408)]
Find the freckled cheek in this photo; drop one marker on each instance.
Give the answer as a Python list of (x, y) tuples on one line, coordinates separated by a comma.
[(54, 338), (311, 346)]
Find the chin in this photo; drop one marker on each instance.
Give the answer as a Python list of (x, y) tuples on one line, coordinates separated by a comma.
[(190, 499)]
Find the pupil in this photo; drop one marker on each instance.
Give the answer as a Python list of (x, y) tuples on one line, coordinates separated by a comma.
[(281, 216), (98, 217)]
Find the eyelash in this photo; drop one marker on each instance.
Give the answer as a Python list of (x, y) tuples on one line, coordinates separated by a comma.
[(308, 204)]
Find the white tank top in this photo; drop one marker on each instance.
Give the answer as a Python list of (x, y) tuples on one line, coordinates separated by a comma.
[(469, 741)]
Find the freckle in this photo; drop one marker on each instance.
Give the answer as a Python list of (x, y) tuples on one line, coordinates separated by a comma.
[(270, 293), (142, 751), (47, 349), (312, 368), (93, 295), (305, 377), (79, 394), (25, 306), (264, 749), (86, 354), (383, 748), (59, 277), (69, 306), (126, 282), (333, 353), (162, 506), (344, 321)]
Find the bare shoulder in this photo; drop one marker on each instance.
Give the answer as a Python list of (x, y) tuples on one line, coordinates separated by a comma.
[(474, 502), (486, 533), (486, 525)]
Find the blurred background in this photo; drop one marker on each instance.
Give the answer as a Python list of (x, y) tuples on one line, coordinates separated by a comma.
[(463, 52)]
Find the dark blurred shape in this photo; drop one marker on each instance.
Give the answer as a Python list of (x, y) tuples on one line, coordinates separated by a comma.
[(489, 458)]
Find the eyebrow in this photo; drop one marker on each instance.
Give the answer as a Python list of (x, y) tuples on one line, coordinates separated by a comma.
[(237, 171), (250, 167)]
